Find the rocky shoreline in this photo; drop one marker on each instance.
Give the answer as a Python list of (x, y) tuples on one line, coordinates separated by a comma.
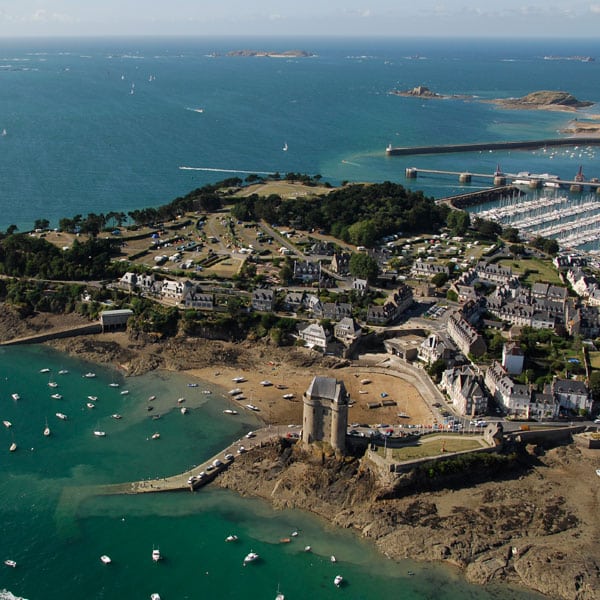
[(534, 526)]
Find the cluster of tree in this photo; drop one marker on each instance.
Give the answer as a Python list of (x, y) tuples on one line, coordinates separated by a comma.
[(358, 214), (547, 245), (26, 256)]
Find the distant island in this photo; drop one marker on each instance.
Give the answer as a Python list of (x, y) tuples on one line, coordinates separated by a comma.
[(269, 54), (421, 91), (544, 100)]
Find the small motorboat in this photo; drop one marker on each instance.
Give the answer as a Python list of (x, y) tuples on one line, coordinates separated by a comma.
[(56, 396), (266, 383), (180, 400), (230, 411), (63, 372), (184, 410), (91, 405), (192, 385), (156, 436), (235, 392), (12, 447), (307, 549), (52, 384), (231, 538), (338, 580), (114, 384), (288, 396), (99, 433), (279, 595), (116, 416), (106, 559), (61, 416), (252, 407), (93, 398), (363, 392), (294, 534), (206, 392), (332, 558), (154, 596), (285, 540), (124, 392), (156, 555), (365, 381), (250, 557), (46, 370), (150, 408), (150, 398), (91, 375), (238, 379), (7, 424), (15, 396), (10, 563)]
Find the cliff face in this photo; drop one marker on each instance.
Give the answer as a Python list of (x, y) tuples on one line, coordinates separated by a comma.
[(522, 530)]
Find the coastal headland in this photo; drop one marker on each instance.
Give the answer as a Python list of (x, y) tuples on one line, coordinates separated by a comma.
[(532, 524)]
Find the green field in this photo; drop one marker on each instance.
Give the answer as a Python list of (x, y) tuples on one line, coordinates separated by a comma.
[(537, 270), (436, 445)]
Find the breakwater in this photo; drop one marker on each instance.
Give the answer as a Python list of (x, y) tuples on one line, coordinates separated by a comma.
[(481, 146)]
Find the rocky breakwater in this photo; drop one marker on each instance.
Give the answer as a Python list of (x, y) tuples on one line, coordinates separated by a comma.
[(531, 526)]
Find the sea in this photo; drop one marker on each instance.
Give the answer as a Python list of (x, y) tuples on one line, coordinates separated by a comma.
[(101, 125)]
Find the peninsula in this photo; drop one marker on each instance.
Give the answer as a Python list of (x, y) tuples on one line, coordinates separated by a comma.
[(544, 100)]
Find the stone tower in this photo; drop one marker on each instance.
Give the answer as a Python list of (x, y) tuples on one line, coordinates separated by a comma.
[(325, 412)]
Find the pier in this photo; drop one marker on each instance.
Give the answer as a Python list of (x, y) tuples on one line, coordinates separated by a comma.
[(486, 146)]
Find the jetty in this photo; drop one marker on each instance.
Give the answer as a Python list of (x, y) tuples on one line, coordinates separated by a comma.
[(487, 146), (192, 479)]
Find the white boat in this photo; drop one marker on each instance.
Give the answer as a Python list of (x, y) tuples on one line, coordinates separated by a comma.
[(13, 447), (113, 384), (10, 563), (288, 396), (90, 405), (294, 534), (45, 370), (90, 375), (235, 392), (56, 396), (106, 559), (238, 379), (338, 580), (52, 384), (7, 424), (307, 549), (61, 416), (598, 472), (156, 556), (279, 596), (63, 372), (154, 596), (180, 400), (151, 398), (99, 433), (184, 410), (206, 392), (231, 538), (266, 383), (15, 396), (285, 147), (363, 392), (332, 558), (252, 407), (365, 381), (250, 557), (116, 416), (47, 431), (93, 398), (192, 385), (230, 411), (156, 436), (124, 392)]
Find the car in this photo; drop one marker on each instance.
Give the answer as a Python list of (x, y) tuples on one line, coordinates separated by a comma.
[(210, 468), (481, 424), (597, 421), (228, 457), (241, 450), (250, 434)]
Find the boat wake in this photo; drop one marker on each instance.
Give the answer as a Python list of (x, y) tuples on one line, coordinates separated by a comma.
[(214, 170), (6, 595)]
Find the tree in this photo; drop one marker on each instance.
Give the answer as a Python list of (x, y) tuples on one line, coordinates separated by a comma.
[(458, 221), (510, 234), (363, 266), (41, 224), (439, 279), (11, 229)]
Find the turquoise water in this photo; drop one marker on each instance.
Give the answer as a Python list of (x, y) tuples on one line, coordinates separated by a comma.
[(56, 525), (78, 141)]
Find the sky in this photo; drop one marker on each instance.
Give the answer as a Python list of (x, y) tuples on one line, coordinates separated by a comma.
[(398, 18)]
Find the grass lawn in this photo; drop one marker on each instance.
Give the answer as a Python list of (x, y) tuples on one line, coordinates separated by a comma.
[(538, 270), (595, 360), (432, 446), (285, 189)]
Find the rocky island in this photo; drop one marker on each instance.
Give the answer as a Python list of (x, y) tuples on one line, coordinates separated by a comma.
[(544, 100), (421, 91), (270, 54)]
